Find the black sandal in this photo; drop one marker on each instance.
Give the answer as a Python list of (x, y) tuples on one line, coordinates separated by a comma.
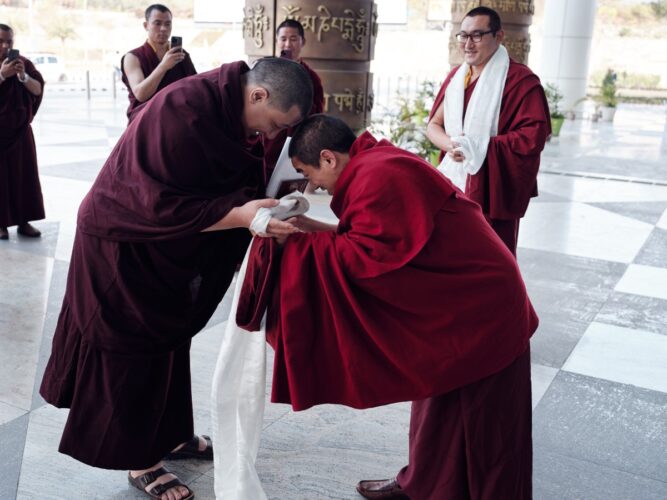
[(191, 450), (140, 482)]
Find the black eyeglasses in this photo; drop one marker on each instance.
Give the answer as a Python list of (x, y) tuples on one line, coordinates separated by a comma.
[(475, 36)]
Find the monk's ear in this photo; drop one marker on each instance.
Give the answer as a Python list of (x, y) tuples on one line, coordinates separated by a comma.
[(500, 36), (328, 159), (258, 94), (146, 25)]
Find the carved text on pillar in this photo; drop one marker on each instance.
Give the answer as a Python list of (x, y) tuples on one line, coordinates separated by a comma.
[(255, 23), (354, 27)]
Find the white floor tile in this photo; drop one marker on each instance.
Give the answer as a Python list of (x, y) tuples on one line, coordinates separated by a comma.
[(582, 230), (644, 280), (10, 412), (541, 376), (621, 355), (599, 191), (662, 223)]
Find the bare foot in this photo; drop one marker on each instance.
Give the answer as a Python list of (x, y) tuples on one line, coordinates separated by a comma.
[(175, 493), (201, 447)]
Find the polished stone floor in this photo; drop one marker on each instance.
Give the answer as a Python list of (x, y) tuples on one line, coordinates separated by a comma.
[(593, 251)]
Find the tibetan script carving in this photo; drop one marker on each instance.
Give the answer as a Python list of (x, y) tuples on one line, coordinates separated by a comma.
[(255, 23), (354, 27)]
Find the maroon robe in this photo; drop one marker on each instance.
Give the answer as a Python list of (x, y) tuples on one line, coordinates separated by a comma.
[(20, 191), (143, 277), (414, 295), (273, 147), (507, 179), (149, 61)]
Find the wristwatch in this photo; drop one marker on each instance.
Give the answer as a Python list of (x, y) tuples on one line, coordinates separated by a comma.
[(26, 78)]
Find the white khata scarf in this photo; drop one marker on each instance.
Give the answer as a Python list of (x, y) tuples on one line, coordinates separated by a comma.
[(481, 118)]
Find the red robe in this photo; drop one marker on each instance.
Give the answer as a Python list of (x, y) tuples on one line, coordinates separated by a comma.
[(414, 294), (273, 147), (508, 178), (143, 277), (149, 61), (20, 191)]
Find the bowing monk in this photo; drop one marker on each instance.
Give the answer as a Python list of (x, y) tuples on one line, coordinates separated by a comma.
[(411, 297), (290, 39), (491, 121), (21, 88), (155, 64), (158, 240)]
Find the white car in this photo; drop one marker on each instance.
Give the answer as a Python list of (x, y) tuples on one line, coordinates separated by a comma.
[(49, 65)]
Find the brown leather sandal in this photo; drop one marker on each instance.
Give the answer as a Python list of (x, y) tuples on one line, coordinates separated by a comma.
[(191, 450), (140, 482)]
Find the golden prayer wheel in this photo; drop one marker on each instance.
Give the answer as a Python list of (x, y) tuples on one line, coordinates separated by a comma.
[(516, 17), (340, 43)]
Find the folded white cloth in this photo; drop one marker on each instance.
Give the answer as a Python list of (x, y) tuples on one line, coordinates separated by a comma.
[(237, 409), (481, 119), (290, 205)]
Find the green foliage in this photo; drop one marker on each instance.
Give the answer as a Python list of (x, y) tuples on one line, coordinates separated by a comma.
[(554, 97), (608, 90), (659, 8), (407, 127), (61, 27), (627, 80)]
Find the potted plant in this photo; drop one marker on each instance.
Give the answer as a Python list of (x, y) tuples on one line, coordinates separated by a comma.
[(607, 98), (554, 97)]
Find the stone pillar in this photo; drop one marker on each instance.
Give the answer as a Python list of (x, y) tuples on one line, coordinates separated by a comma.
[(515, 15), (340, 42), (566, 47)]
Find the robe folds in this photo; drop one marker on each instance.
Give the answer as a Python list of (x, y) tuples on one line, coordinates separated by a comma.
[(412, 296), (149, 61), (507, 179), (20, 190), (144, 279), (273, 147)]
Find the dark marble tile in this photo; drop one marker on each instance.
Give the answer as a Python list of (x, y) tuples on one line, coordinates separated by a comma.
[(82, 170), (615, 426), (558, 477), (567, 293), (649, 211), (654, 251), (54, 304), (12, 441), (45, 246), (635, 311)]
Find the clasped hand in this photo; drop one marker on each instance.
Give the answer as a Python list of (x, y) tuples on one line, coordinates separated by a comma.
[(276, 227)]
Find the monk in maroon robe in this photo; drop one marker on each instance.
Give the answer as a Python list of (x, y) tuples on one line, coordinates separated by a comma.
[(411, 297), (508, 178), (154, 65), (158, 240), (21, 88), (290, 39)]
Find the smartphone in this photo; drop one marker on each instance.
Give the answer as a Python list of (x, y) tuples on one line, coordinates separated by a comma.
[(286, 53), (12, 54), (177, 41)]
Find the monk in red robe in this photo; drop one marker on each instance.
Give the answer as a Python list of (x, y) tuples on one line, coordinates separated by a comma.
[(290, 39), (154, 65), (21, 88), (411, 297), (158, 240), (507, 179)]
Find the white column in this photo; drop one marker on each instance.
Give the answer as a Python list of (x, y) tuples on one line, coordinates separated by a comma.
[(566, 47)]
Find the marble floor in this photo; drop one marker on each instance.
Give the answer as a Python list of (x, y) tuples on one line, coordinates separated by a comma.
[(593, 251)]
